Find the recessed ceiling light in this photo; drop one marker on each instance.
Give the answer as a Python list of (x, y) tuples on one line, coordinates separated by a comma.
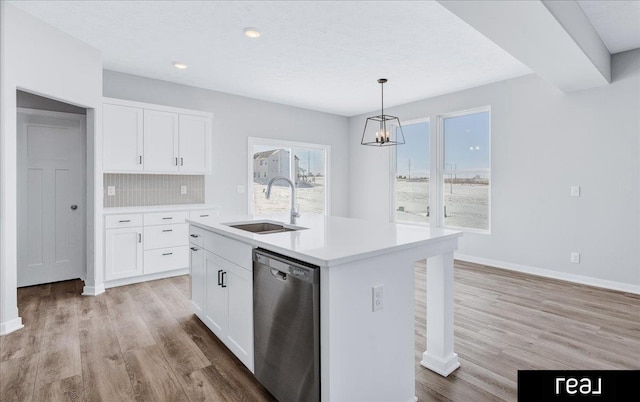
[(251, 32), (179, 65)]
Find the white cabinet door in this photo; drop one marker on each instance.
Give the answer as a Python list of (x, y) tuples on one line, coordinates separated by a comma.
[(160, 141), (216, 303), (197, 280), (195, 144), (122, 128), (240, 300), (123, 253)]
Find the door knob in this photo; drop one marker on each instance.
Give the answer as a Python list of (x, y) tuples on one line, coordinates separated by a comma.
[(74, 207)]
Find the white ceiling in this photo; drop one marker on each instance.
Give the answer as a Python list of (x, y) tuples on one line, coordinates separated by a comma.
[(321, 55), (617, 22)]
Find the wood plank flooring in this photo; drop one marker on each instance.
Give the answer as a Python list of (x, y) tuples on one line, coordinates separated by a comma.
[(141, 342)]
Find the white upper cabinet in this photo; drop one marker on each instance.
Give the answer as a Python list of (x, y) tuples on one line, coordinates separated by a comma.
[(160, 141), (146, 138), (122, 138), (195, 143)]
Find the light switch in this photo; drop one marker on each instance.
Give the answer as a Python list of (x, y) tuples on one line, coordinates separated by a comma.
[(111, 190), (575, 191), (575, 257), (183, 190)]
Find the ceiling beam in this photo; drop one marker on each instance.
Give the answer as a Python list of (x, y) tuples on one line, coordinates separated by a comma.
[(553, 38)]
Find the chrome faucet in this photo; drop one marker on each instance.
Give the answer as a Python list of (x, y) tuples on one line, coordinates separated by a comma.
[(294, 207)]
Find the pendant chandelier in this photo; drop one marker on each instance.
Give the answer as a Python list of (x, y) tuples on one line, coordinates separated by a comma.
[(382, 130)]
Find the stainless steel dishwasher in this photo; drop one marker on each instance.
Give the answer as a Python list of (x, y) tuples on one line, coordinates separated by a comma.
[(286, 319)]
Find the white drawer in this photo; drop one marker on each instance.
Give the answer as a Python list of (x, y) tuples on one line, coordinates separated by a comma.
[(122, 221), (166, 236), (229, 249), (204, 215), (196, 236), (166, 259), (164, 218)]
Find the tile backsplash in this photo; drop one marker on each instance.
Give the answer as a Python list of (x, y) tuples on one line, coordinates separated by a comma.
[(134, 190)]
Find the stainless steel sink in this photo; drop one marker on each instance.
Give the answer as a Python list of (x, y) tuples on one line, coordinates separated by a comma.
[(264, 227)]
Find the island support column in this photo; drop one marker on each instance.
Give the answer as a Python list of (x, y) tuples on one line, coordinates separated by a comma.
[(439, 356)]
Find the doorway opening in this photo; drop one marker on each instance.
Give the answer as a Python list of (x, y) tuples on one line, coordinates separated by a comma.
[(51, 194)]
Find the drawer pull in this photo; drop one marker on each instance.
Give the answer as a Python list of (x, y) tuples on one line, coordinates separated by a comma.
[(167, 253), (139, 237), (194, 249), (125, 220), (168, 230), (167, 218), (195, 235), (203, 216)]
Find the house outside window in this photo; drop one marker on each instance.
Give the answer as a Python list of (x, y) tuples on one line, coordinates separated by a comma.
[(304, 164)]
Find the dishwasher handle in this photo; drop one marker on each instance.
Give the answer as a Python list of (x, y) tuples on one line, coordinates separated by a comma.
[(279, 275)]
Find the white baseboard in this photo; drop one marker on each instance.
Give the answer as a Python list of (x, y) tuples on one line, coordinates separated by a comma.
[(149, 277), (547, 273), (93, 290), (10, 326)]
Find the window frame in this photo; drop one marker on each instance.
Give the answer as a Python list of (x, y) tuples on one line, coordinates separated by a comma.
[(252, 141), (442, 171), (393, 171)]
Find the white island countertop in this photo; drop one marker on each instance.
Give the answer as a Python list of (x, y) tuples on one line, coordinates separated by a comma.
[(329, 240)]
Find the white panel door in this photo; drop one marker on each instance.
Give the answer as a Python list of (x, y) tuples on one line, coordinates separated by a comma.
[(195, 144), (51, 196), (122, 138), (160, 141)]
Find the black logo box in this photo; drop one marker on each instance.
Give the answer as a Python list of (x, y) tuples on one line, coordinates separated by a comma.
[(578, 385)]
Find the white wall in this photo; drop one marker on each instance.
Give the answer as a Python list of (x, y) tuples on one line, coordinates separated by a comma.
[(543, 142), (236, 118), (39, 59)]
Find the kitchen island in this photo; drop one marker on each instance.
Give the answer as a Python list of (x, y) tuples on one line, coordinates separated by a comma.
[(365, 355)]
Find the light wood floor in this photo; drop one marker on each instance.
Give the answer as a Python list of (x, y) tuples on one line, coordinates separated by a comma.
[(141, 342)]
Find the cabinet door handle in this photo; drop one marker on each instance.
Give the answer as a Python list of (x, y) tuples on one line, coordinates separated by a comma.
[(125, 220), (169, 217), (194, 249), (167, 253), (203, 216), (219, 281), (176, 161), (168, 230), (181, 161), (139, 237), (224, 276), (194, 235), (139, 159)]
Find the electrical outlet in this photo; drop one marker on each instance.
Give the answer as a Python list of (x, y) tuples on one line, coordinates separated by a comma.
[(183, 190), (111, 191), (575, 191), (377, 293), (575, 257)]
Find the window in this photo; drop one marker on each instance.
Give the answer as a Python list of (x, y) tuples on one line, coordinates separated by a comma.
[(466, 169), (412, 174), (303, 164)]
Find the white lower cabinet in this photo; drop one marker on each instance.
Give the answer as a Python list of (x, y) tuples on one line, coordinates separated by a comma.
[(123, 252), (239, 333), (228, 293), (140, 246)]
